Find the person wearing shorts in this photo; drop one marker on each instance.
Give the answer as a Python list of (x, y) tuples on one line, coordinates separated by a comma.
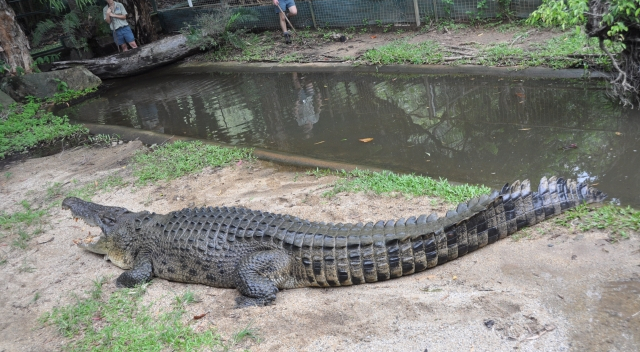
[(116, 16), (287, 7)]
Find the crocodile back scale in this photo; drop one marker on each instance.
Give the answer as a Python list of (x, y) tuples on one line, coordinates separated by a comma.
[(260, 253)]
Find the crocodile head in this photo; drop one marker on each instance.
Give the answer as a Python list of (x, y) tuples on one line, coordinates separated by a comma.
[(116, 224)]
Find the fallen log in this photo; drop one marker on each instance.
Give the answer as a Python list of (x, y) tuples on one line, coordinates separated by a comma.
[(135, 61)]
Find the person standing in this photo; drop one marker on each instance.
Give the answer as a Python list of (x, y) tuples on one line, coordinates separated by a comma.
[(285, 8), (116, 16)]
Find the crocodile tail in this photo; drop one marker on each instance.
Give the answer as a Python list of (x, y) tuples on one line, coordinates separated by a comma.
[(385, 250)]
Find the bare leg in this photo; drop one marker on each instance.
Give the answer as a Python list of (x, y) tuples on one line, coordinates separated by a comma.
[(292, 11), (133, 44), (124, 47), (283, 22)]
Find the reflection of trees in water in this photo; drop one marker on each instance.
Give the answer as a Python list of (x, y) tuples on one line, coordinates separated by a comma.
[(463, 127), (510, 127)]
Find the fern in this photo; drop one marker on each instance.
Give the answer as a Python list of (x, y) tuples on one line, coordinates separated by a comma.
[(41, 29), (60, 5), (215, 28), (70, 25), (77, 26), (240, 16)]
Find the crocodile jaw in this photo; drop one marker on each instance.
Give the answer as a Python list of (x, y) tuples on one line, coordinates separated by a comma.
[(93, 244), (109, 219), (101, 245)]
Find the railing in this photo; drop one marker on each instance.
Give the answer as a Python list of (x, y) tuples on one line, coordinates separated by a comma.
[(353, 13)]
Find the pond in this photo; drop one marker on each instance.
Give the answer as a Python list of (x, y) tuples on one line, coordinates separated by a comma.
[(466, 128)]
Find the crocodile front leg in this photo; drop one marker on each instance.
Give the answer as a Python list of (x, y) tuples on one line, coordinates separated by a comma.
[(260, 274), (141, 272)]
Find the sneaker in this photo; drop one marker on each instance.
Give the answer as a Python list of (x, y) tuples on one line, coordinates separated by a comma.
[(287, 37)]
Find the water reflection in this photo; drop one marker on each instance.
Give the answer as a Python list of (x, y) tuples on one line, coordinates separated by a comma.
[(480, 129), (309, 104)]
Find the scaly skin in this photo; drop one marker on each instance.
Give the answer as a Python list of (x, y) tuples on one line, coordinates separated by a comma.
[(260, 253)]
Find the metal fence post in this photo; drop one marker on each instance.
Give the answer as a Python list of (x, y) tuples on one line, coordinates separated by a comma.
[(435, 10), (313, 15), (417, 11)]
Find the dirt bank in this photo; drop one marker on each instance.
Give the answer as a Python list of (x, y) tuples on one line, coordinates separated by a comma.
[(490, 44), (551, 289)]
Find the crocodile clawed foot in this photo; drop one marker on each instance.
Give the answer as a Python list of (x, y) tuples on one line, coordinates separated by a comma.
[(246, 302)]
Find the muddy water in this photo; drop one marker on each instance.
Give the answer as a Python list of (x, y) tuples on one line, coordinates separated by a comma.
[(476, 129)]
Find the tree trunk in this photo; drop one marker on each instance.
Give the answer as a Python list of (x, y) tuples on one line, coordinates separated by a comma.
[(135, 61), (140, 20), (14, 46)]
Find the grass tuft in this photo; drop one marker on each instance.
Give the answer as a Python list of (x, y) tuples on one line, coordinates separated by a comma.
[(87, 191), (386, 182), (26, 217), (27, 126), (174, 160), (186, 298), (18, 222), (246, 332), (70, 94), (403, 52), (121, 322), (620, 221)]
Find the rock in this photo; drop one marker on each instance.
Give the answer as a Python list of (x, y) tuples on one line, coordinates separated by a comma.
[(45, 84), (489, 323), (5, 100), (338, 37)]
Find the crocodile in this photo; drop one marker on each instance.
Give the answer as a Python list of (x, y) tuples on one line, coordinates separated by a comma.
[(259, 253)]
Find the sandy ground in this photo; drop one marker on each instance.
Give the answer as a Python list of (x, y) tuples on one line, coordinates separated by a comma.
[(551, 290)]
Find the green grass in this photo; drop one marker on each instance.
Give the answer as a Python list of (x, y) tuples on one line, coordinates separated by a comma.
[(502, 54), (28, 126), (403, 52), (121, 322), (177, 159), (19, 223), (27, 223), (246, 332), (68, 95), (409, 185), (554, 53), (55, 192), (186, 298), (620, 221), (293, 57), (107, 184), (26, 217), (257, 48)]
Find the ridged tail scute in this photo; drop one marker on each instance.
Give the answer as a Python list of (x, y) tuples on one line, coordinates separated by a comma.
[(336, 255)]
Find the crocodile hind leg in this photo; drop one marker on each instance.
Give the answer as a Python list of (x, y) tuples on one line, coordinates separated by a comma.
[(259, 275)]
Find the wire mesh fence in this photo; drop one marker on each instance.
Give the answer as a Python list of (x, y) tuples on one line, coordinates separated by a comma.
[(175, 15)]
